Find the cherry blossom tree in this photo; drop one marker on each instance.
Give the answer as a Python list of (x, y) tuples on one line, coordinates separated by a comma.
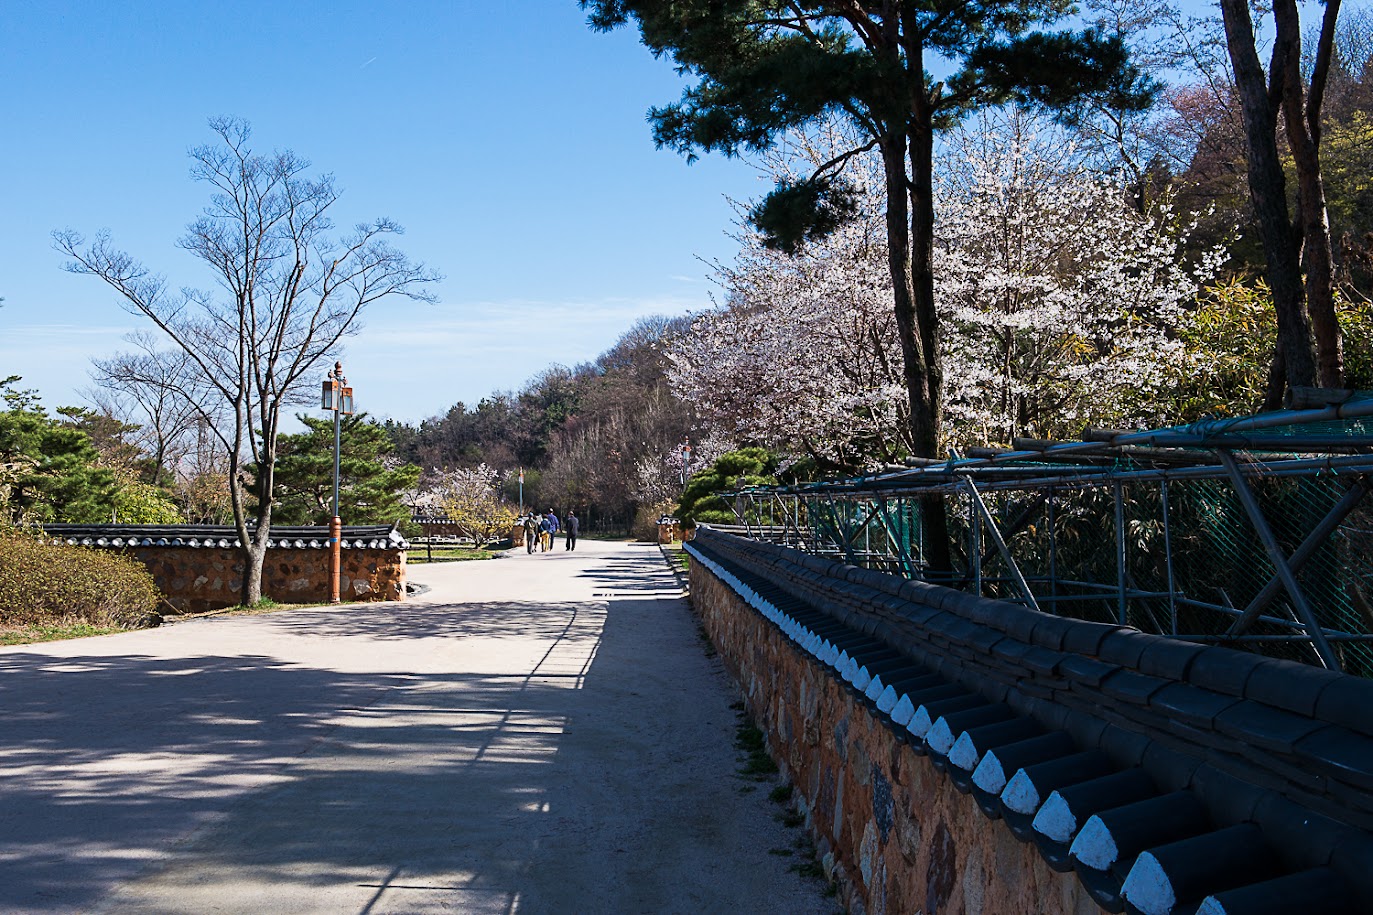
[(1060, 296), (803, 355), (1057, 293)]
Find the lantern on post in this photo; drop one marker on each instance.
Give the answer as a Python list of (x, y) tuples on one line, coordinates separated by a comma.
[(336, 397)]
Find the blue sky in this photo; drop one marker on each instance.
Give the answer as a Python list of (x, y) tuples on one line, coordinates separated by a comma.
[(507, 138)]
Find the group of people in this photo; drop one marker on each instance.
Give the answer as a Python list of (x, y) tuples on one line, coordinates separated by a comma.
[(539, 530)]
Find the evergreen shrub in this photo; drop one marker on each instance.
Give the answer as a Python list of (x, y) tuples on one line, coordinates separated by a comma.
[(42, 583)]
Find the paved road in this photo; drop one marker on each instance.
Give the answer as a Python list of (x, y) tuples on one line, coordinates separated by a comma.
[(536, 734)]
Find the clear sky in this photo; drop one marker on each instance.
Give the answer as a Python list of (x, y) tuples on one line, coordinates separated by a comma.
[(507, 138)]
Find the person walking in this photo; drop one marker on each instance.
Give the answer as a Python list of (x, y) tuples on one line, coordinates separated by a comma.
[(550, 528), (573, 526), (531, 531)]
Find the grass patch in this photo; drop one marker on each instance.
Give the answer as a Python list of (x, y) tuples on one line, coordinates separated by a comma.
[(420, 556), (781, 852), (53, 632), (809, 869), (707, 645), (781, 794), (677, 557), (792, 819), (758, 765)]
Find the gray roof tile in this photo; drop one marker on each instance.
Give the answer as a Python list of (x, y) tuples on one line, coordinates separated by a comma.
[(1289, 685), (1267, 728), (1341, 754)]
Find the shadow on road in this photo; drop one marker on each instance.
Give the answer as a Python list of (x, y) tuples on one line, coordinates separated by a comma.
[(599, 778)]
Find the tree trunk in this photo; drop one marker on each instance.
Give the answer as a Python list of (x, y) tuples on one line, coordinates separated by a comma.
[(1277, 382), (924, 416), (1267, 190), (920, 137), (1301, 116), (924, 437)]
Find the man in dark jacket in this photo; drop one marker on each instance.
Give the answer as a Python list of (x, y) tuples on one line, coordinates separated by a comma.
[(573, 526)]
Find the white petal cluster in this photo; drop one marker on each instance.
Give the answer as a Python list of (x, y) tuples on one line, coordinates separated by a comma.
[(1058, 295)]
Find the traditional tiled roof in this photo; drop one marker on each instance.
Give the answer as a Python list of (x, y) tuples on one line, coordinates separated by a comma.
[(209, 536), (1172, 777)]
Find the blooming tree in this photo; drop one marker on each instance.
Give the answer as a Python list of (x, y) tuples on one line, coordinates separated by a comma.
[(469, 498), (803, 355), (1060, 297), (1057, 298)]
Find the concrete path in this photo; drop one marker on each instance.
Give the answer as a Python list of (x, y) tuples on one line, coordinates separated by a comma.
[(536, 734)]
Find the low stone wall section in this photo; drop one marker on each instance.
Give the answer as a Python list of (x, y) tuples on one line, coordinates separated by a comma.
[(193, 581), (1268, 760), (199, 567)]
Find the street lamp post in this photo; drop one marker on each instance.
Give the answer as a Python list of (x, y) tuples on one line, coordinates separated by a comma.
[(686, 461), (337, 397)]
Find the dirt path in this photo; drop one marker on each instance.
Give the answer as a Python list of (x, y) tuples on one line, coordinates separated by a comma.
[(535, 734)]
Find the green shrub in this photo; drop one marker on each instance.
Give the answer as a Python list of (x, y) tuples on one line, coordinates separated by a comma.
[(42, 582)]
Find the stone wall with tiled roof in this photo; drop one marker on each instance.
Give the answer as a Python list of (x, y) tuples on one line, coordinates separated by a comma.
[(199, 567), (1167, 775)]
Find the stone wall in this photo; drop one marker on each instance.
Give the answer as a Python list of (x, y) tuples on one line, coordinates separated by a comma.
[(199, 567), (193, 581), (896, 835), (1272, 760)]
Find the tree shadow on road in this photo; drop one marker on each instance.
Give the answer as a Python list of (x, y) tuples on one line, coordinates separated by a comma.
[(598, 779)]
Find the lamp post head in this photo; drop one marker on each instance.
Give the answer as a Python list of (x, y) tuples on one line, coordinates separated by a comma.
[(335, 394)]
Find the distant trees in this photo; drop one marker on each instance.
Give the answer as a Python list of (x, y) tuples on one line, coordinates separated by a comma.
[(602, 435), (289, 293)]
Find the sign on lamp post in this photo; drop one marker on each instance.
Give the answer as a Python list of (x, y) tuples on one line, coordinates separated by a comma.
[(336, 397)]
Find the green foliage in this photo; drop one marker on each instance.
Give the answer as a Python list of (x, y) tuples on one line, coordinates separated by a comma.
[(369, 484), (1230, 339), (1347, 169), (45, 583), (769, 66), (800, 211), (143, 503), (49, 469), (731, 470)]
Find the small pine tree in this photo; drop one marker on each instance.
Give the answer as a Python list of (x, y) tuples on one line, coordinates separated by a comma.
[(370, 484)]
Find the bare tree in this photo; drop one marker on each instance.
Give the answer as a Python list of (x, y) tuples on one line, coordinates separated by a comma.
[(288, 293), (159, 391)]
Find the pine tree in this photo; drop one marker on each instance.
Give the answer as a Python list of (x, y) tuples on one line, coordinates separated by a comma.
[(369, 484), (769, 66)]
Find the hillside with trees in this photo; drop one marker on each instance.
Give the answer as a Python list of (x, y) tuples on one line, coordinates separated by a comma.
[(1091, 261)]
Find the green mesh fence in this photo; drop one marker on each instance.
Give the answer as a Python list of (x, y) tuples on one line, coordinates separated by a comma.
[(1173, 556)]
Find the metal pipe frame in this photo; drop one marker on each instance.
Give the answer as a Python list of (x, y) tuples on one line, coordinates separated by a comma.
[(826, 518), (1252, 508)]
